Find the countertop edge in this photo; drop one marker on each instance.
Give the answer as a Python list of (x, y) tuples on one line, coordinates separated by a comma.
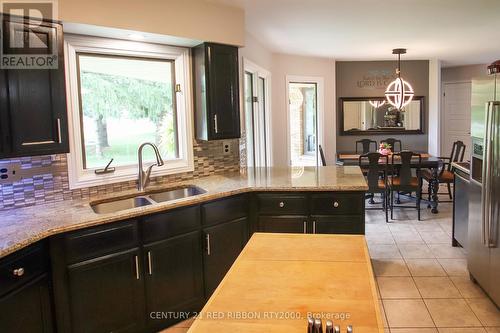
[(164, 207), (460, 167)]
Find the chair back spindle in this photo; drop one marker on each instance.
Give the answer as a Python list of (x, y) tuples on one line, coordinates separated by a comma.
[(366, 146), (393, 142), (457, 153), (322, 155)]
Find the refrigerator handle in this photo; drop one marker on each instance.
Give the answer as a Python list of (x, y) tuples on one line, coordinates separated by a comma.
[(485, 190), (493, 206)]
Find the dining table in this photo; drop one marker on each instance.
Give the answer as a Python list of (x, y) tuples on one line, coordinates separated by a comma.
[(427, 161)]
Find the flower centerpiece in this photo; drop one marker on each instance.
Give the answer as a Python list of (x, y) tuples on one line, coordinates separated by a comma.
[(385, 148)]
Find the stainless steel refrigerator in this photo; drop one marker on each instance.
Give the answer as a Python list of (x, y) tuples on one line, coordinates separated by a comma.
[(483, 253)]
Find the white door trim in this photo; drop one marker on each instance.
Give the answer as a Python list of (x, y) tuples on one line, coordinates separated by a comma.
[(320, 83), (249, 66)]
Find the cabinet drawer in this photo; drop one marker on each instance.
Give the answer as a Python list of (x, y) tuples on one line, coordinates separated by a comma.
[(282, 204), (338, 224), (99, 241), (172, 223), (337, 204), (225, 210), (285, 224), (22, 266)]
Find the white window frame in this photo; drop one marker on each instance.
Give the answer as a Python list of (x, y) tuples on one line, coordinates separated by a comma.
[(80, 177), (320, 83), (259, 72)]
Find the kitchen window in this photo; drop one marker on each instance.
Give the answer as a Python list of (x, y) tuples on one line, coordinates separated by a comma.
[(120, 95)]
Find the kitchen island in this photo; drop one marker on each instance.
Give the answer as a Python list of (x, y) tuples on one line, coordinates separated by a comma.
[(280, 279), (158, 262)]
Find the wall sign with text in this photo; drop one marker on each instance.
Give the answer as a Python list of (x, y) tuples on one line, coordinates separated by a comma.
[(376, 79)]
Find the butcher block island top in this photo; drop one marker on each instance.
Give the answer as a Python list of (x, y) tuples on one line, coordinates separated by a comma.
[(280, 279)]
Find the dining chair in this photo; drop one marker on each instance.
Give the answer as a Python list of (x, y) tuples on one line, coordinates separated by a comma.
[(393, 142), (376, 177), (446, 175), (322, 155), (366, 145), (404, 181)]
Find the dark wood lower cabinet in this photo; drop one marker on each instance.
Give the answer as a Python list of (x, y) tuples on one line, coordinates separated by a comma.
[(313, 213), (106, 294), (338, 224), (145, 274), (174, 279), (284, 224), (28, 308), (223, 244)]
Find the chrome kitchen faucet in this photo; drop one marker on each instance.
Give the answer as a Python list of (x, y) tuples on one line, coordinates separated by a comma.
[(143, 179)]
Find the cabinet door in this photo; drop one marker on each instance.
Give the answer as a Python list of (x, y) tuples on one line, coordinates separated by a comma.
[(4, 115), (36, 98), (174, 277), (285, 224), (223, 244), (338, 224), (27, 309), (107, 294), (223, 88)]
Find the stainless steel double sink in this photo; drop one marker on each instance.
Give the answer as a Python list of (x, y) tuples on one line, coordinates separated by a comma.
[(113, 206)]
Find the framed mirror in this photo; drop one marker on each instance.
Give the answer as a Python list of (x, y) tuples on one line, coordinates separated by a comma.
[(373, 115)]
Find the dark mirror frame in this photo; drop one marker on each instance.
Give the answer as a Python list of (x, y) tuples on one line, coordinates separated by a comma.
[(378, 131)]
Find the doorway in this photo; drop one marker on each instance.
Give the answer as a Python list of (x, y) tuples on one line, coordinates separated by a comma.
[(256, 81), (303, 121), (457, 116)]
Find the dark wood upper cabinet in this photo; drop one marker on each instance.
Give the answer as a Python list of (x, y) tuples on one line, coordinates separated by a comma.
[(33, 117), (216, 93)]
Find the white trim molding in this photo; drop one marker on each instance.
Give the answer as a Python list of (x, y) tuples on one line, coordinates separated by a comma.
[(259, 72), (80, 177), (320, 120)]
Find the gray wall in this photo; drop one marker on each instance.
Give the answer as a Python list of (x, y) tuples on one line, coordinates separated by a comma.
[(369, 79), (463, 73)]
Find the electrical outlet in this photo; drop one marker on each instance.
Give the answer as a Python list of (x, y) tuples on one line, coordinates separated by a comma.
[(10, 172), (227, 147)]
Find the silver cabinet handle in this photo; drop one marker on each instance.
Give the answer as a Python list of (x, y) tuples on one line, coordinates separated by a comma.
[(314, 227), (216, 124), (137, 276), (150, 263), (282, 204), (336, 204), (305, 227), (18, 272), (208, 243), (59, 130)]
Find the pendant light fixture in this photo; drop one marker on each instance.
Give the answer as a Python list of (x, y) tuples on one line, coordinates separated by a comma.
[(377, 104), (399, 92)]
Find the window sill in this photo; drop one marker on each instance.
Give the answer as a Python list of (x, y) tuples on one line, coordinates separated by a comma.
[(89, 178)]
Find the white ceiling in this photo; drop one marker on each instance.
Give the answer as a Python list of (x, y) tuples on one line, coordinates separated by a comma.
[(458, 32)]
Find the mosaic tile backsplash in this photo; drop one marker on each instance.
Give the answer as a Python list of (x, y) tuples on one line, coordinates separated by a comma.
[(53, 185)]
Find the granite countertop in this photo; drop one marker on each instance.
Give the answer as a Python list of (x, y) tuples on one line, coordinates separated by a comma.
[(24, 226), (462, 166)]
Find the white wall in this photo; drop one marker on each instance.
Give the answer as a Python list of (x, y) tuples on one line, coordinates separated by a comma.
[(281, 66), (194, 19), (463, 73), (256, 52), (284, 65)]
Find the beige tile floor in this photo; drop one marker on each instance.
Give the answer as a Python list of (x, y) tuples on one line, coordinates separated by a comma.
[(423, 282)]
